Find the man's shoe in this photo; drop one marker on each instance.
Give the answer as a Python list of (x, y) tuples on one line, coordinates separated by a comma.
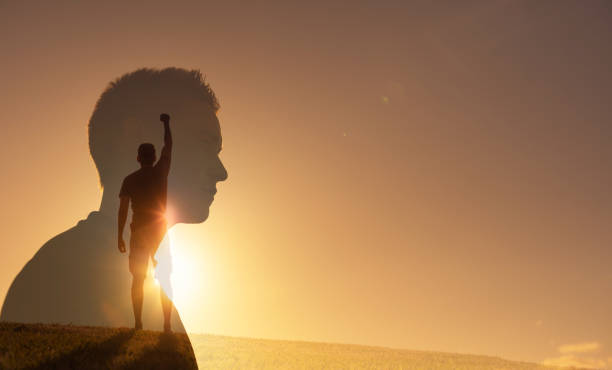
[(138, 326), (167, 328)]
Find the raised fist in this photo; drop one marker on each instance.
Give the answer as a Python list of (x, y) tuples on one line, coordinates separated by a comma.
[(164, 118)]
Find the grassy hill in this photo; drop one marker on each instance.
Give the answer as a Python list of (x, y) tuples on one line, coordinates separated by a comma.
[(218, 352), (37, 346), (40, 346)]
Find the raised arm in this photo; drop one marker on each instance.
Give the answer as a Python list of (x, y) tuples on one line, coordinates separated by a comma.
[(166, 152), (167, 134), (121, 218)]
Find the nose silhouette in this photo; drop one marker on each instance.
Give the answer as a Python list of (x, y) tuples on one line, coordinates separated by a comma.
[(221, 173)]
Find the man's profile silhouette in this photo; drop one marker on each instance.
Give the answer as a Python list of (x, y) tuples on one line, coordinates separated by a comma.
[(146, 188), (78, 276)]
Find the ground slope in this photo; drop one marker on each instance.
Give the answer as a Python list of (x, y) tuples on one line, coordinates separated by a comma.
[(218, 352), (37, 346), (71, 347)]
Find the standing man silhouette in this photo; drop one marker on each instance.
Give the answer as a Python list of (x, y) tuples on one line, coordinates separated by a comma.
[(146, 188)]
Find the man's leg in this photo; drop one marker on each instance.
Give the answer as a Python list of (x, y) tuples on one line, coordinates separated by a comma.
[(138, 262), (167, 308), (158, 234), (137, 294)]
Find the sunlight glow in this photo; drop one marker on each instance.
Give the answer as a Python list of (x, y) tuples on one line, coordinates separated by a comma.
[(190, 276)]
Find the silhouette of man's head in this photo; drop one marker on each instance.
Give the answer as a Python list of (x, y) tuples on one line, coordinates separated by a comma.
[(146, 154), (127, 114)]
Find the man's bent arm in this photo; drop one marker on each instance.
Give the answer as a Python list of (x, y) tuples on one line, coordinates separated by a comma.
[(166, 153), (167, 136)]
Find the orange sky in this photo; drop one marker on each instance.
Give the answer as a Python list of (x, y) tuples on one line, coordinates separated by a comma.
[(406, 174)]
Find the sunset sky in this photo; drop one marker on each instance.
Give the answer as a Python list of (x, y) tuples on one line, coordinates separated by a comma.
[(411, 174)]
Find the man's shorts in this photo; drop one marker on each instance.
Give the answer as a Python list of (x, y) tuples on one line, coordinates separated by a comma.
[(143, 244)]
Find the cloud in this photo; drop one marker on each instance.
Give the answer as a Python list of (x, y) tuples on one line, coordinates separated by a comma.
[(576, 355), (573, 360), (587, 347)]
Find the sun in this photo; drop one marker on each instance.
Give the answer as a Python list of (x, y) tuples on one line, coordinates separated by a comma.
[(189, 284), (184, 269)]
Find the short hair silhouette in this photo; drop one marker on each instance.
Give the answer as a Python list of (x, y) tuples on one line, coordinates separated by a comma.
[(130, 105), (146, 153)]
